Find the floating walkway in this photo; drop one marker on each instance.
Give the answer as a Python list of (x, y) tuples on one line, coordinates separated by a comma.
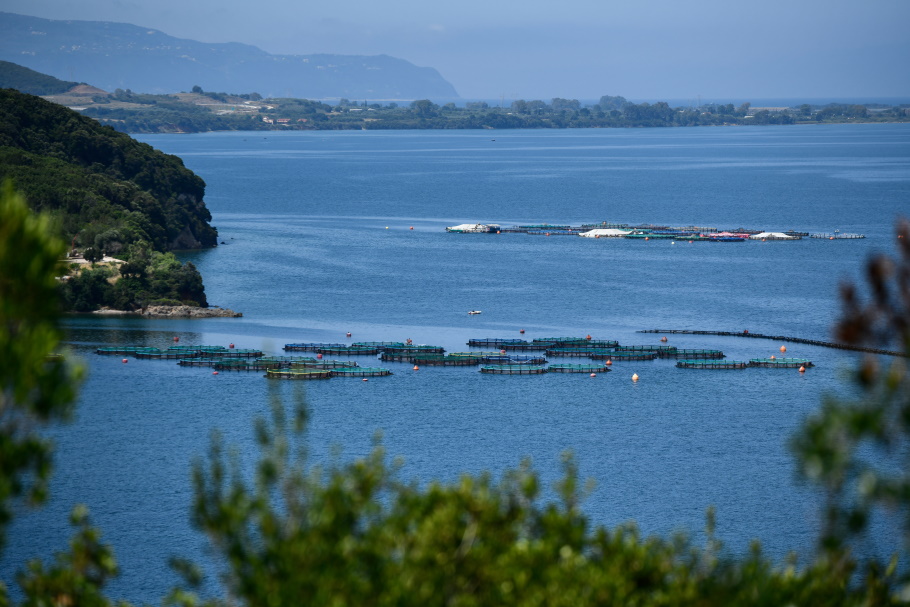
[(798, 340)]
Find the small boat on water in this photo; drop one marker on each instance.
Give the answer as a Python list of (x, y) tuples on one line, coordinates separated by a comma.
[(475, 228), (475, 312)]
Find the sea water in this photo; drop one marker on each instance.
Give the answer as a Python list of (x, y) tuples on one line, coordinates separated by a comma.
[(325, 233)]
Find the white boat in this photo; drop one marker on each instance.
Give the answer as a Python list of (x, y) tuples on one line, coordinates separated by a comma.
[(474, 228), (475, 312)]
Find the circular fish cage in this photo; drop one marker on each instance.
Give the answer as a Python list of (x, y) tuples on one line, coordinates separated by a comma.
[(575, 352), (569, 368), (507, 359), (360, 372), (488, 342), (624, 356), (691, 354), (442, 360), (376, 344), (781, 363), (310, 347), (124, 350), (661, 351), (711, 364), (348, 350), (513, 369), (323, 364), (298, 374), (526, 346), (413, 349)]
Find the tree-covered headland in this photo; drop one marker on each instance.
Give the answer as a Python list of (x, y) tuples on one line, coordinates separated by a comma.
[(105, 193), (354, 533)]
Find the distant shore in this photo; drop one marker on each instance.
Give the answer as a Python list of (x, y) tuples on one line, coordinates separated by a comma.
[(173, 312)]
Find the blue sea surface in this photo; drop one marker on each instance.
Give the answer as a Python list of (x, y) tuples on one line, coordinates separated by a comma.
[(325, 233)]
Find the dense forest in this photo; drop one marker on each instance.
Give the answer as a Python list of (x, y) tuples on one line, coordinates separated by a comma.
[(106, 193), (29, 81)]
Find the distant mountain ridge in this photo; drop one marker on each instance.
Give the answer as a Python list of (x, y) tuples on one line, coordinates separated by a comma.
[(118, 55)]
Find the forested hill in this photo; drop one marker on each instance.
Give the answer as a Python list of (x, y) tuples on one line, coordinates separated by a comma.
[(29, 81), (106, 189)]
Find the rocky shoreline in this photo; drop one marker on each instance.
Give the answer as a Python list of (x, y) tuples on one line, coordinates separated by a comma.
[(175, 312)]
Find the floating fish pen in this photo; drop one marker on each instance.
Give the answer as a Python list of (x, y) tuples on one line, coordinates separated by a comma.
[(164, 354), (513, 369), (124, 350), (287, 360), (396, 357), (505, 359), (559, 340), (541, 227), (298, 374), (196, 349), (694, 230), (795, 233), (727, 239), (567, 368), (605, 225), (198, 362), (234, 353), (711, 364), (661, 351), (360, 372), (323, 364), (376, 344), (248, 365), (488, 342), (476, 354), (412, 349), (553, 232), (624, 356), (526, 346), (591, 344), (698, 354), (781, 363), (310, 347), (649, 226), (441, 360), (838, 236), (575, 352), (349, 350)]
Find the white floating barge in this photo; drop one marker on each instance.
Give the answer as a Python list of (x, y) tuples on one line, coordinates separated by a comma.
[(475, 228)]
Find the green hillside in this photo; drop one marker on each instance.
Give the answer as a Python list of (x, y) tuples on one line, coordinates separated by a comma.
[(13, 76), (96, 180), (107, 194)]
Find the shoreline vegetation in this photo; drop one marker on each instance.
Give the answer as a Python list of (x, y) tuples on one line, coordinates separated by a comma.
[(203, 111), (122, 206)]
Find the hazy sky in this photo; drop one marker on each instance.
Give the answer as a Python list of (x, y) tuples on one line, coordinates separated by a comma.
[(539, 49)]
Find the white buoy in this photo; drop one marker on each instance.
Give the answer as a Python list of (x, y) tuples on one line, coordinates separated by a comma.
[(635, 377)]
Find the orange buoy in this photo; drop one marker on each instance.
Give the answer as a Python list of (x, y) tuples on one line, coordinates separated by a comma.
[(548, 233), (230, 345), (214, 372), (176, 338), (783, 348), (498, 232), (522, 331), (664, 338), (691, 241), (646, 238), (609, 362), (773, 357), (319, 356), (588, 337), (125, 361), (635, 377), (802, 369), (412, 227), (416, 368), (594, 375)]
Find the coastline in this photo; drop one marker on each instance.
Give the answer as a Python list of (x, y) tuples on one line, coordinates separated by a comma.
[(173, 312)]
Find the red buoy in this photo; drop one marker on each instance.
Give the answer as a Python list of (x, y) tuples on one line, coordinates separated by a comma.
[(176, 338), (522, 331), (348, 333), (230, 345), (319, 356), (125, 361), (214, 372)]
